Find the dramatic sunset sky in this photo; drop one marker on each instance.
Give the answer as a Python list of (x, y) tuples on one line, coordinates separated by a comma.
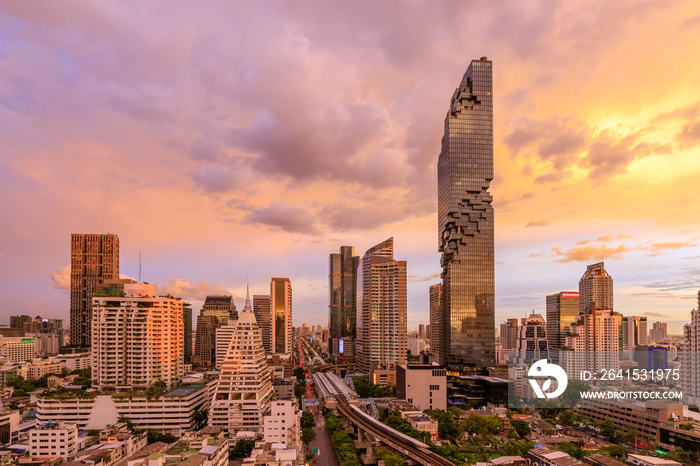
[(231, 138)]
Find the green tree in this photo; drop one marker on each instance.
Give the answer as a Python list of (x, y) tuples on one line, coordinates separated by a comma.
[(573, 449), (572, 395), (680, 455), (449, 452), (93, 432), (614, 451), (307, 435), (242, 449), (390, 458), (448, 424), (200, 418), (307, 419), (521, 427), (607, 429), (126, 420), (155, 436)]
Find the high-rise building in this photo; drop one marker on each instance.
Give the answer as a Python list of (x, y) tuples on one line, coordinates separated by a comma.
[(562, 312), (244, 390), (220, 306), (223, 336), (342, 309), (205, 341), (94, 258), (18, 321), (531, 343), (509, 334), (690, 357), (421, 331), (216, 311), (187, 321), (263, 315), (466, 222), (435, 327), (592, 344), (658, 332), (381, 310), (634, 332), (281, 306), (595, 286), (137, 339)]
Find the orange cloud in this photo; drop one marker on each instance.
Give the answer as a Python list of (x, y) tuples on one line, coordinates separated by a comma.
[(590, 253), (182, 288)]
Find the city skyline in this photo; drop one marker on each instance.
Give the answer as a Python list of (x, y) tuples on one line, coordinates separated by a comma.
[(170, 128)]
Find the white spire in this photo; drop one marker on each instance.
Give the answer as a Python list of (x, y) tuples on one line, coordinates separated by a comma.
[(247, 307)]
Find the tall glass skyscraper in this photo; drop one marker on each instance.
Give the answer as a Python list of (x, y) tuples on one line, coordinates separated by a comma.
[(465, 222), (281, 318), (562, 312), (342, 285)]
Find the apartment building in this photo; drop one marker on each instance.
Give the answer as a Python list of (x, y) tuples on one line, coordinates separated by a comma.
[(17, 349), (53, 440), (282, 426), (137, 339)]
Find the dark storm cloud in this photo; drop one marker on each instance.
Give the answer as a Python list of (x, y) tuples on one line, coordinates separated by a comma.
[(288, 218), (555, 140)]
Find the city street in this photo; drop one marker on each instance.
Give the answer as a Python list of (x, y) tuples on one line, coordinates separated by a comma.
[(323, 443)]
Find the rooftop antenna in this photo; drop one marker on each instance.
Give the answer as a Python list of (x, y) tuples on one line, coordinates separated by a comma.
[(139, 266), (247, 294)]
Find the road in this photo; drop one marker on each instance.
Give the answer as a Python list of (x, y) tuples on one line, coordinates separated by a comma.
[(323, 443)]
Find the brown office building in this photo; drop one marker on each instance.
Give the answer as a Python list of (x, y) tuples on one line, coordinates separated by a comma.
[(94, 258), (281, 307)]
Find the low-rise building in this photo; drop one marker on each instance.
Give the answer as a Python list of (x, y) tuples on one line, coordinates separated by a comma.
[(76, 361), (505, 461), (54, 381), (602, 460), (266, 453), (8, 371), (40, 367), (639, 460), (647, 416), (284, 389), (281, 426), (114, 443), (53, 440), (9, 426), (423, 385), (424, 423), (170, 413), (208, 447), (551, 458)]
